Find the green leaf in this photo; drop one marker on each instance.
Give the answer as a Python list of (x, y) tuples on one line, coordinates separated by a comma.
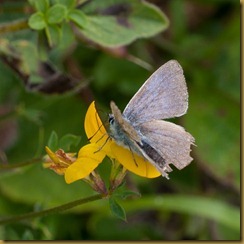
[(56, 14), (205, 207), (37, 21), (53, 141), (116, 209), (69, 140), (115, 24), (53, 33), (194, 212), (67, 3), (40, 5), (78, 17), (24, 51), (126, 194)]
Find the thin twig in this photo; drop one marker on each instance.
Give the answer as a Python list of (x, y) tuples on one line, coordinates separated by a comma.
[(51, 210), (16, 25)]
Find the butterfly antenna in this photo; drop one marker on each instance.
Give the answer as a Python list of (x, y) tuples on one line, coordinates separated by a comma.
[(100, 148), (104, 134), (99, 127)]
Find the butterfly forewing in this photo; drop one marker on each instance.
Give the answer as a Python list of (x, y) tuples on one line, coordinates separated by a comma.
[(163, 95)]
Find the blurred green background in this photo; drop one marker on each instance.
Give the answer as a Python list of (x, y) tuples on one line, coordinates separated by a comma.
[(50, 73)]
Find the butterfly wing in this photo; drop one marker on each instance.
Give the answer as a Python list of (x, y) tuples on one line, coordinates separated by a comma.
[(163, 95), (168, 140)]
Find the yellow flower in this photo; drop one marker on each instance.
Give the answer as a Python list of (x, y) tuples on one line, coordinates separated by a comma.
[(91, 155), (58, 161)]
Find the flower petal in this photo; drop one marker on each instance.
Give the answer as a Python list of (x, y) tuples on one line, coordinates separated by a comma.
[(52, 155), (133, 162), (94, 128), (89, 158)]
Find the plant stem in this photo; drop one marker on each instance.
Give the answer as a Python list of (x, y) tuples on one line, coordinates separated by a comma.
[(14, 26), (52, 210), (19, 165)]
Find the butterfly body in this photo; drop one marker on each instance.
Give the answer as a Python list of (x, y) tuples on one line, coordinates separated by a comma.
[(121, 131)]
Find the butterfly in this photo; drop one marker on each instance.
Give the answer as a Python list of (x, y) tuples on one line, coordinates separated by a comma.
[(141, 127)]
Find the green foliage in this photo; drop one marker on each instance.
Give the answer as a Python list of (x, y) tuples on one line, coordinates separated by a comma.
[(65, 143), (52, 68), (41, 5), (97, 21), (78, 17), (37, 21), (128, 19), (56, 14), (126, 194), (116, 209), (68, 141), (53, 141)]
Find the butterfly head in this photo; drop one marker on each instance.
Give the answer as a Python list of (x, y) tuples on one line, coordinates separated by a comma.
[(111, 119)]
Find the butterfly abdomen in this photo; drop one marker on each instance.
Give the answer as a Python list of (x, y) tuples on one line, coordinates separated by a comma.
[(152, 154)]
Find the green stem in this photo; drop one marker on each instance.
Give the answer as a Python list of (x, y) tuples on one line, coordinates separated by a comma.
[(14, 26), (52, 210), (18, 165)]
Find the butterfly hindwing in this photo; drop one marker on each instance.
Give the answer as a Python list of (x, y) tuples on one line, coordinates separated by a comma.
[(169, 140)]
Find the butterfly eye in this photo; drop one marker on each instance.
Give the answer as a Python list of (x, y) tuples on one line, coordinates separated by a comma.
[(111, 119)]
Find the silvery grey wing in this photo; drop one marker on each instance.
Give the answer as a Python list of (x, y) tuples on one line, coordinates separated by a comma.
[(169, 140), (163, 95)]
